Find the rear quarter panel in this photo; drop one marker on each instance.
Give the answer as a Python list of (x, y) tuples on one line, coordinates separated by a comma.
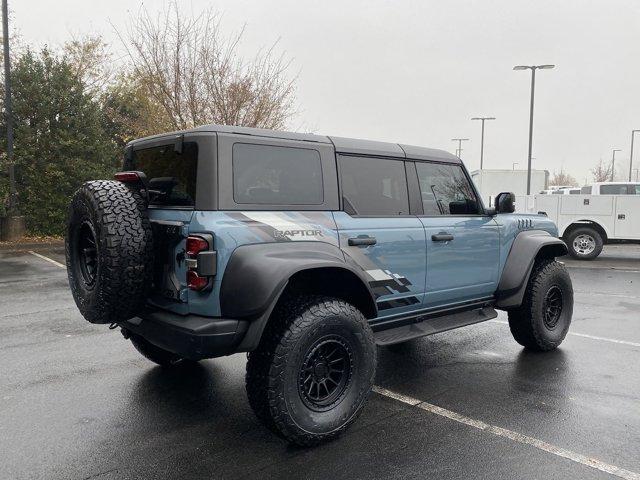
[(232, 229)]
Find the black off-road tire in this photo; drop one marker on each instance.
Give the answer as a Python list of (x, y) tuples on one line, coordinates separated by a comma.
[(156, 354), (301, 327), (588, 235), (109, 251), (538, 324)]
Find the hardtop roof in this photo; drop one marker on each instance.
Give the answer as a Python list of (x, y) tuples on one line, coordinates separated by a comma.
[(341, 144)]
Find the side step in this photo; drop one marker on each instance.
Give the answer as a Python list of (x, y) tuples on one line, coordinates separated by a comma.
[(433, 325)]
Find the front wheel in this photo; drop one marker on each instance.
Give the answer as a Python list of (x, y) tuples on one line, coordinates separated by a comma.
[(543, 319), (313, 370)]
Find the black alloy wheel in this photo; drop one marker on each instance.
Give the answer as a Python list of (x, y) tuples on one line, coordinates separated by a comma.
[(86, 251), (325, 373), (552, 306)]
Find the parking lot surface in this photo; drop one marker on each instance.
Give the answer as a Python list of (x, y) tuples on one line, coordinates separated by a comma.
[(78, 402)]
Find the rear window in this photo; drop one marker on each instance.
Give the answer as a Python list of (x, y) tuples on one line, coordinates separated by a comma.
[(268, 175), (171, 175)]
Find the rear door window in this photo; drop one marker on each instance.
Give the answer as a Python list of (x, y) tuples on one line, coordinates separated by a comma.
[(270, 175), (172, 175), (445, 190), (373, 186)]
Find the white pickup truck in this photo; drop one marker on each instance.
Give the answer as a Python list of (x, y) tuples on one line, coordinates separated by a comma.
[(587, 222)]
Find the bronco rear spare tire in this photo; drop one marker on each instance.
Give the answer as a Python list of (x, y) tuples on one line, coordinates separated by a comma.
[(109, 250)]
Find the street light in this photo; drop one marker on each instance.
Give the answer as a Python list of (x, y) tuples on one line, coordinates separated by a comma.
[(613, 162), (633, 132), (533, 69), (482, 137), (7, 110), (459, 149)]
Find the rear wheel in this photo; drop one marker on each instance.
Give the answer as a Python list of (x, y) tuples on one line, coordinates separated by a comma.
[(543, 319), (313, 370), (584, 243)]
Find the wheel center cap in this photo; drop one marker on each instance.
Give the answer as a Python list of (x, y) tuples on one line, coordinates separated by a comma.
[(320, 370)]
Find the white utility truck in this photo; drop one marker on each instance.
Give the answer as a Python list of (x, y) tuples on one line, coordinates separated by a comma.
[(587, 222)]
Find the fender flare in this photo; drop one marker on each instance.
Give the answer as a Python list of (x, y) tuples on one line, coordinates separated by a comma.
[(528, 246), (257, 274)]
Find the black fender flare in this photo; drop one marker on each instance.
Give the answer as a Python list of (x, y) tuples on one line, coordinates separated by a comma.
[(257, 274), (528, 246)]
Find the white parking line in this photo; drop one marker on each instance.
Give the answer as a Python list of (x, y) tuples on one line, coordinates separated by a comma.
[(511, 435), (584, 335), (50, 260)]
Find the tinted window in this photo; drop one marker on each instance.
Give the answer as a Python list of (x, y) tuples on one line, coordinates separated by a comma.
[(586, 190), (445, 190), (574, 191), (268, 175), (373, 186), (558, 192), (613, 189), (171, 175)]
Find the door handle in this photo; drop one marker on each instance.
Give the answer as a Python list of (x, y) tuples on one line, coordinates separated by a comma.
[(362, 241), (442, 237)]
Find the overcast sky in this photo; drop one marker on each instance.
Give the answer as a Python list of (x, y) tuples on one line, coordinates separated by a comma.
[(417, 71)]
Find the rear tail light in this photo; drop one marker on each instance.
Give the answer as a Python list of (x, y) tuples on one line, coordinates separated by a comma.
[(127, 177), (196, 245), (195, 281)]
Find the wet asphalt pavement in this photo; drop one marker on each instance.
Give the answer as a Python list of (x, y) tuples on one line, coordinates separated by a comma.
[(78, 402)]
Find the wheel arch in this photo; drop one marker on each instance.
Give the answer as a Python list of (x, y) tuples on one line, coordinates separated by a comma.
[(528, 247), (278, 269), (602, 230)]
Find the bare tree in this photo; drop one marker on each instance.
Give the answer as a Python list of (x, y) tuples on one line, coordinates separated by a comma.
[(91, 60), (563, 178), (602, 171), (197, 76)]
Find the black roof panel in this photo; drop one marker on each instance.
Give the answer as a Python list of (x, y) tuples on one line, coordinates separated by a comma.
[(366, 147), (342, 144), (423, 153)]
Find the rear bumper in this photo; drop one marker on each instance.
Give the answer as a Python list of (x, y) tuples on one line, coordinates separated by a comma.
[(190, 336)]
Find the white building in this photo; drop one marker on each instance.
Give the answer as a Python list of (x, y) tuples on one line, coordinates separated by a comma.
[(492, 182)]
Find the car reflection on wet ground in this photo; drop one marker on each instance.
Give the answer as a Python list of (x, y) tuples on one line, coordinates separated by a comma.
[(77, 401)]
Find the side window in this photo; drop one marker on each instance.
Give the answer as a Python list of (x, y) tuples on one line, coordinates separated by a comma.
[(269, 175), (373, 186), (586, 190), (445, 190), (613, 189)]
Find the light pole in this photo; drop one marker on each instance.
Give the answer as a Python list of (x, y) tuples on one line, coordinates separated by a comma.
[(482, 136), (459, 149), (613, 162), (8, 111), (633, 132), (533, 69)]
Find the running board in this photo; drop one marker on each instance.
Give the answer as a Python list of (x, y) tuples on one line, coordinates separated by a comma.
[(435, 324)]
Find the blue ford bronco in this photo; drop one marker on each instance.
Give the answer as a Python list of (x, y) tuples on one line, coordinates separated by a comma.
[(305, 251)]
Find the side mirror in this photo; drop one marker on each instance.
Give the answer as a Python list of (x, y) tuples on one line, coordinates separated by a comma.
[(505, 202)]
